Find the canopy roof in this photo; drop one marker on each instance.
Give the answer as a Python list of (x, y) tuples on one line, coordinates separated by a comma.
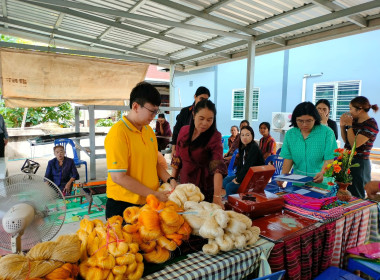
[(189, 33)]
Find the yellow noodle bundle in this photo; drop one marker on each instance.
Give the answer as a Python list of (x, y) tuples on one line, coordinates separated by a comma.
[(67, 271), (130, 214), (166, 243), (111, 253), (131, 228), (154, 203), (149, 219), (158, 228), (170, 217), (42, 259), (159, 255)]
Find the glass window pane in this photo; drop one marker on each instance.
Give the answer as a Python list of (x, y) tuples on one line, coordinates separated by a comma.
[(339, 94), (238, 104), (345, 93), (255, 105)]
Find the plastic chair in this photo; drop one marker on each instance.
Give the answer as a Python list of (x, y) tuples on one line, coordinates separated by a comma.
[(334, 273), (367, 267), (277, 163), (278, 151), (274, 276), (64, 142), (225, 143), (231, 167)]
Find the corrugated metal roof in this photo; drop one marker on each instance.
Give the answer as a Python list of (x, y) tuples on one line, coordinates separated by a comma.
[(187, 33)]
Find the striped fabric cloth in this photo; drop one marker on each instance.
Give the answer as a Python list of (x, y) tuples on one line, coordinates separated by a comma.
[(304, 256), (350, 232), (321, 215), (373, 230), (236, 264), (357, 204), (307, 202)]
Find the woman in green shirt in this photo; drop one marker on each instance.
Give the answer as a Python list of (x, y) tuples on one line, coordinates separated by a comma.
[(309, 146)]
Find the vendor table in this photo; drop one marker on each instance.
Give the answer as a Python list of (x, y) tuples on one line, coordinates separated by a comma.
[(49, 139), (235, 264)]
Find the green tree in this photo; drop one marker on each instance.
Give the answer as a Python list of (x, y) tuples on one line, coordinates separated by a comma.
[(63, 114), (11, 39)]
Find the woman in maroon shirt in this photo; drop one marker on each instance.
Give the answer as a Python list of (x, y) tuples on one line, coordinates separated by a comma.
[(199, 153), (163, 132)]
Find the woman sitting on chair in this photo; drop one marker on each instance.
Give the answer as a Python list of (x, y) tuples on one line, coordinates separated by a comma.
[(267, 143), (249, 155), (61, 170)]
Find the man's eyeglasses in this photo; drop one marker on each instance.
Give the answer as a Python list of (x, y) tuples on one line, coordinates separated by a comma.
[(154, 112), (305, 121)]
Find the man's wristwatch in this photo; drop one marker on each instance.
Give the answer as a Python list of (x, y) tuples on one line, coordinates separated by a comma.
[(348, 127), (170, 178)]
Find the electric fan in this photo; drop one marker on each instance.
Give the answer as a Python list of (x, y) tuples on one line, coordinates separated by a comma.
[(32, 210)]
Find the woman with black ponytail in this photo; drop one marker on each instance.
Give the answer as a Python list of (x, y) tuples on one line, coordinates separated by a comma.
[(199, 153), (357, 124), (249, 155)]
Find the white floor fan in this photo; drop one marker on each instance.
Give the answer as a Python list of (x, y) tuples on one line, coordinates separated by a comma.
[(32, 210)]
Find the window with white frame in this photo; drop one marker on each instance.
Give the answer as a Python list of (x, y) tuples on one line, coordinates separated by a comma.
[(339, 94), (238, 104)]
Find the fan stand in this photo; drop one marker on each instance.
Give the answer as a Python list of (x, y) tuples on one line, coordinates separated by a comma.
[(16, 242), (30, 166)]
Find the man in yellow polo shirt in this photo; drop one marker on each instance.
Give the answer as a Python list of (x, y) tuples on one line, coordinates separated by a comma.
[(131, 151)]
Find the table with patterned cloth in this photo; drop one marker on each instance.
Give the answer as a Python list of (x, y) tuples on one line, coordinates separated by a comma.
[(373, 230), (311, 252), (352, 229), (306, 255), (235, 264)]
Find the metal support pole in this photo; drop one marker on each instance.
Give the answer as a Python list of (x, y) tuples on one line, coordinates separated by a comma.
[(77, 121), (24, 118), (250, 79), (304, 80), (172, 95), (91, 113), (77, 125), (284, 97)]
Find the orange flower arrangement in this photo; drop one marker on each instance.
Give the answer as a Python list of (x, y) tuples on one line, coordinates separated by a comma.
[(340, 169)]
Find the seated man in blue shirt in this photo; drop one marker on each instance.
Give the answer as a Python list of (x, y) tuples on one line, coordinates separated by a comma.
[(61, 170)]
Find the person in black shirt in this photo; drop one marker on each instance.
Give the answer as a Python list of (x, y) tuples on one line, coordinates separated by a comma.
[(249, 155), (186, 114), (3, 136), (323, 107)]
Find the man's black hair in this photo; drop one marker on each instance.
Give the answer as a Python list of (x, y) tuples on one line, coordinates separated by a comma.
[(144, 93)]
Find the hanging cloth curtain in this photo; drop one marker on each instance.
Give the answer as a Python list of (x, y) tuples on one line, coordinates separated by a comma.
[(39, 79)]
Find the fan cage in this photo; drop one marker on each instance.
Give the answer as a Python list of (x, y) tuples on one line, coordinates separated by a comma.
[(47, 200)]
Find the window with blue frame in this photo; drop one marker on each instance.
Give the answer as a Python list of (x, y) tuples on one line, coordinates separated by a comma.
[(339, 94), (238, 104)]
